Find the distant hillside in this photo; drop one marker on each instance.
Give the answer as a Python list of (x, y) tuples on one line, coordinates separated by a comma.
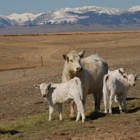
[(62, 28)]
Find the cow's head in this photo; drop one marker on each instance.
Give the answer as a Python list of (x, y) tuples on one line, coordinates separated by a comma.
[(74, 61), (44, 88), (131, 79)]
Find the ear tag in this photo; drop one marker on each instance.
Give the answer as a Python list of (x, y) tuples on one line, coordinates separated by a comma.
[(136, 78)]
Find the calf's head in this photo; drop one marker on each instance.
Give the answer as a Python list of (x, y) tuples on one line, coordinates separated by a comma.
[(73, 60), (131, 79), (44, 88)]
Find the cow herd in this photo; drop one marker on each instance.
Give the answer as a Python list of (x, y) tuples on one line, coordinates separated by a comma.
[(87, 75)]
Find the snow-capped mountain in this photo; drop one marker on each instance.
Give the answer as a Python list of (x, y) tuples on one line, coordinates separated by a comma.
[(74, 15), (81, 15), (57, 17), (99, 10), (5, 21), (134, 9), (20, 19)]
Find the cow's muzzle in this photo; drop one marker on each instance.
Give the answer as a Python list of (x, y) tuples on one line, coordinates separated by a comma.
[(133, 84), (44, 95), (79, 69)]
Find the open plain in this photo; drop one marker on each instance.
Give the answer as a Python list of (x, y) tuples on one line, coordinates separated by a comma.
[(31, 59)]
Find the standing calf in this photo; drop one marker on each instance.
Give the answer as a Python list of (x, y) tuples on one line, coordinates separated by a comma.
[(118, 73), (59, 93), (117, 86)]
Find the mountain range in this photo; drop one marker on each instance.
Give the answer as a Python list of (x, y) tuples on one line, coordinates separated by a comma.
[(87, 15)]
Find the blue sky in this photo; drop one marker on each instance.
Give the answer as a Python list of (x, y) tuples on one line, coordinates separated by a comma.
[(8, 7)]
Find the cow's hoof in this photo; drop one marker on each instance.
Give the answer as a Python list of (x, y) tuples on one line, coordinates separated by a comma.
[(106, 112)]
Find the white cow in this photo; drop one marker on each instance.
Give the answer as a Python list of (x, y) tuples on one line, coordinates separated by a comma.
[(90, 70), (117, 87), (59, 93)]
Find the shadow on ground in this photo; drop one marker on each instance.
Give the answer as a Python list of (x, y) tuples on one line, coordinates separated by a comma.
[(11, 132), (133, 109), (95, 115)]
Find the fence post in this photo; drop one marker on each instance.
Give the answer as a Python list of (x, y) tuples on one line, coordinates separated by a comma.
[(41, 61)]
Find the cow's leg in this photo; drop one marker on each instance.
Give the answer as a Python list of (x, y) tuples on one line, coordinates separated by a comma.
[(51, 109), (120, 103), (124, 102), (105, 97), (60, 111), (73, 103), (99, 97), (78, 116), (96, 102), (80, 110), (72, 108), (112, 95), (84, 97)]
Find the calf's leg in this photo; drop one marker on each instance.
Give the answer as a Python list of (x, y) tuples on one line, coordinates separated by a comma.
[(80, 110), (124, 102), (120, 103), (112, 95), (60, 111), (51, 109), (105, 96), (72, 103)]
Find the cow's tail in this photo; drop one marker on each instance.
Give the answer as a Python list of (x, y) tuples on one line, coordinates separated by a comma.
[(80, 89), (105, 89)]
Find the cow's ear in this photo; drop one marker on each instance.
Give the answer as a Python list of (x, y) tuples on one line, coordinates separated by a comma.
[(121, 72), (81, 54), (65, 57), (36, 86), (49, 86)]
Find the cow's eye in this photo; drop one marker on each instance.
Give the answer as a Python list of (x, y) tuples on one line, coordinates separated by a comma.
[(71, 60)]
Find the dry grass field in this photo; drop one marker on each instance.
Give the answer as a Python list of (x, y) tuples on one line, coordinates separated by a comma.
[(35, 58)]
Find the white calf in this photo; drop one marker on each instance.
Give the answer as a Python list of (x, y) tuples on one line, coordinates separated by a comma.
[(118, 73), (59, 93), (118, 87)]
